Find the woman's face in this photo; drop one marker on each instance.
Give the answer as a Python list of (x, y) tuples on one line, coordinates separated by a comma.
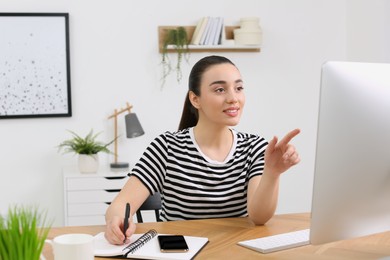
[(222, 97)]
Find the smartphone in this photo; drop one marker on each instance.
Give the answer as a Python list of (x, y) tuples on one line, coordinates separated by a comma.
[(172, 243)]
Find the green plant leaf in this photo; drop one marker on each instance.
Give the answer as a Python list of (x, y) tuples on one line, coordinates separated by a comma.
[(20, 234), (87, 145), (179, 38)]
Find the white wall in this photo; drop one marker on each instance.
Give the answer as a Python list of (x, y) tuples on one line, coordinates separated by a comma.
[(114, 59), (368, 30)]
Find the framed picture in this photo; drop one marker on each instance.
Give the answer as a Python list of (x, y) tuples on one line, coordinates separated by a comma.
[(34, 65)]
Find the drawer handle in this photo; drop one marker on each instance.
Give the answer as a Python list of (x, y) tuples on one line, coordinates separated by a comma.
[(113, 190), (108, 203), (115, 178)]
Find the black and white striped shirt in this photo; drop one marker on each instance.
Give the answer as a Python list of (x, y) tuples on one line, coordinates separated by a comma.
[(192, 186)]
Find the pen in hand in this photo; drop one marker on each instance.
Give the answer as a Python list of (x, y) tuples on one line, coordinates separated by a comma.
[(126, 220)]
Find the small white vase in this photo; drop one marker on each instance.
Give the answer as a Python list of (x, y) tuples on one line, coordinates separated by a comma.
[(88, 163)]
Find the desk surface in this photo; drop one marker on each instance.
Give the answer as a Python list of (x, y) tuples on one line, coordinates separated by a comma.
[(224, 234)]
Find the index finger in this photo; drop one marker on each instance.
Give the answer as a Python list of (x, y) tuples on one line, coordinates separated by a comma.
[(289, 136)]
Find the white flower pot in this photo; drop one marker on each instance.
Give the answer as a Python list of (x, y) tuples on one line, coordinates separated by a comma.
[(88, 163)]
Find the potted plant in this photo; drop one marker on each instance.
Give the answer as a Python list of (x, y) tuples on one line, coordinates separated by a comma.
[(179, 39), (23, 233), (87, 148)]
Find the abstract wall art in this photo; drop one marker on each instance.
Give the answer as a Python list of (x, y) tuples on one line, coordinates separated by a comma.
[(34, 65)]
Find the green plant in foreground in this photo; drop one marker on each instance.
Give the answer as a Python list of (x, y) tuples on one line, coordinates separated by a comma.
[(20, 234), (87, 145)]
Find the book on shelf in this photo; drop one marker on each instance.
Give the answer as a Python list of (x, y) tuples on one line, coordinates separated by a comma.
[(199, 29), (218, 32), (210, 35), (213, 31), (206, 31), (146, 246)]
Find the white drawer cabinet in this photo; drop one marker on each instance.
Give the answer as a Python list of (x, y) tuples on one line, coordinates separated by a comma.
[(87, 195)]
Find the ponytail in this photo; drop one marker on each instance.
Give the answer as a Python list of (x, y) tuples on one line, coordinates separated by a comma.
[(189, 116)]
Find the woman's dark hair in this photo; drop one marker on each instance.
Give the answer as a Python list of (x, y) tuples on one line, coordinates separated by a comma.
[(189, 116)]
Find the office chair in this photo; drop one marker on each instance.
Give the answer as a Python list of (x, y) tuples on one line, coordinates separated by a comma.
[(153, 202)]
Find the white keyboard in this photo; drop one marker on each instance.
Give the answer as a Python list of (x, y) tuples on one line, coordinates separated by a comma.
[(278, 242)]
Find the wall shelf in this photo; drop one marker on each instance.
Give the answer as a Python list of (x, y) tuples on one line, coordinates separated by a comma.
[(162, 31)]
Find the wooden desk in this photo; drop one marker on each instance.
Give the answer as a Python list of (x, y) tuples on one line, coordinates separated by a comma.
[(224, 234)]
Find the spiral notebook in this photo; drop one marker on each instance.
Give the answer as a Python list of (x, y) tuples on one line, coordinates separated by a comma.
[(145, 246)]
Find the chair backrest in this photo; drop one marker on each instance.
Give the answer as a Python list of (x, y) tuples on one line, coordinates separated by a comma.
[(153, 202)]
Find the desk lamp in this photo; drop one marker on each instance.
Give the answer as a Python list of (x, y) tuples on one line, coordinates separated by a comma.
[(133, 129)]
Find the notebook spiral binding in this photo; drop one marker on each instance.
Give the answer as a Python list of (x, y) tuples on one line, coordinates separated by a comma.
[(139, 242)]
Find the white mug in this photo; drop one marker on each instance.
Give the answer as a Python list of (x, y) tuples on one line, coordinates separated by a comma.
[(72, 246)]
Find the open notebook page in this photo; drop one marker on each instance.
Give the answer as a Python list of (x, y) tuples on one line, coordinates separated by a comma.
[(150, 250)]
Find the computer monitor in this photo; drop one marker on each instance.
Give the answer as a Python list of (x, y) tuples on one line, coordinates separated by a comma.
[(351, 189)]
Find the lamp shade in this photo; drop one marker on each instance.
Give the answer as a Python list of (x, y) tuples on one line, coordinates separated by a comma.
[(133, 126)]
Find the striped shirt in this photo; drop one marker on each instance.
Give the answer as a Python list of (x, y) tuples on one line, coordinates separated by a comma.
[(191, 185)]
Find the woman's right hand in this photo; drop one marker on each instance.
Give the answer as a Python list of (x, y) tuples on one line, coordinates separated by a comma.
[(114, 230)]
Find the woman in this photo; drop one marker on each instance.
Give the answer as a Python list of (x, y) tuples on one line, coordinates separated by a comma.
[(207, 169)]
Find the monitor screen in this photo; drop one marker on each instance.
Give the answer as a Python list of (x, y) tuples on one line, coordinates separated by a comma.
[(351, 190)]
